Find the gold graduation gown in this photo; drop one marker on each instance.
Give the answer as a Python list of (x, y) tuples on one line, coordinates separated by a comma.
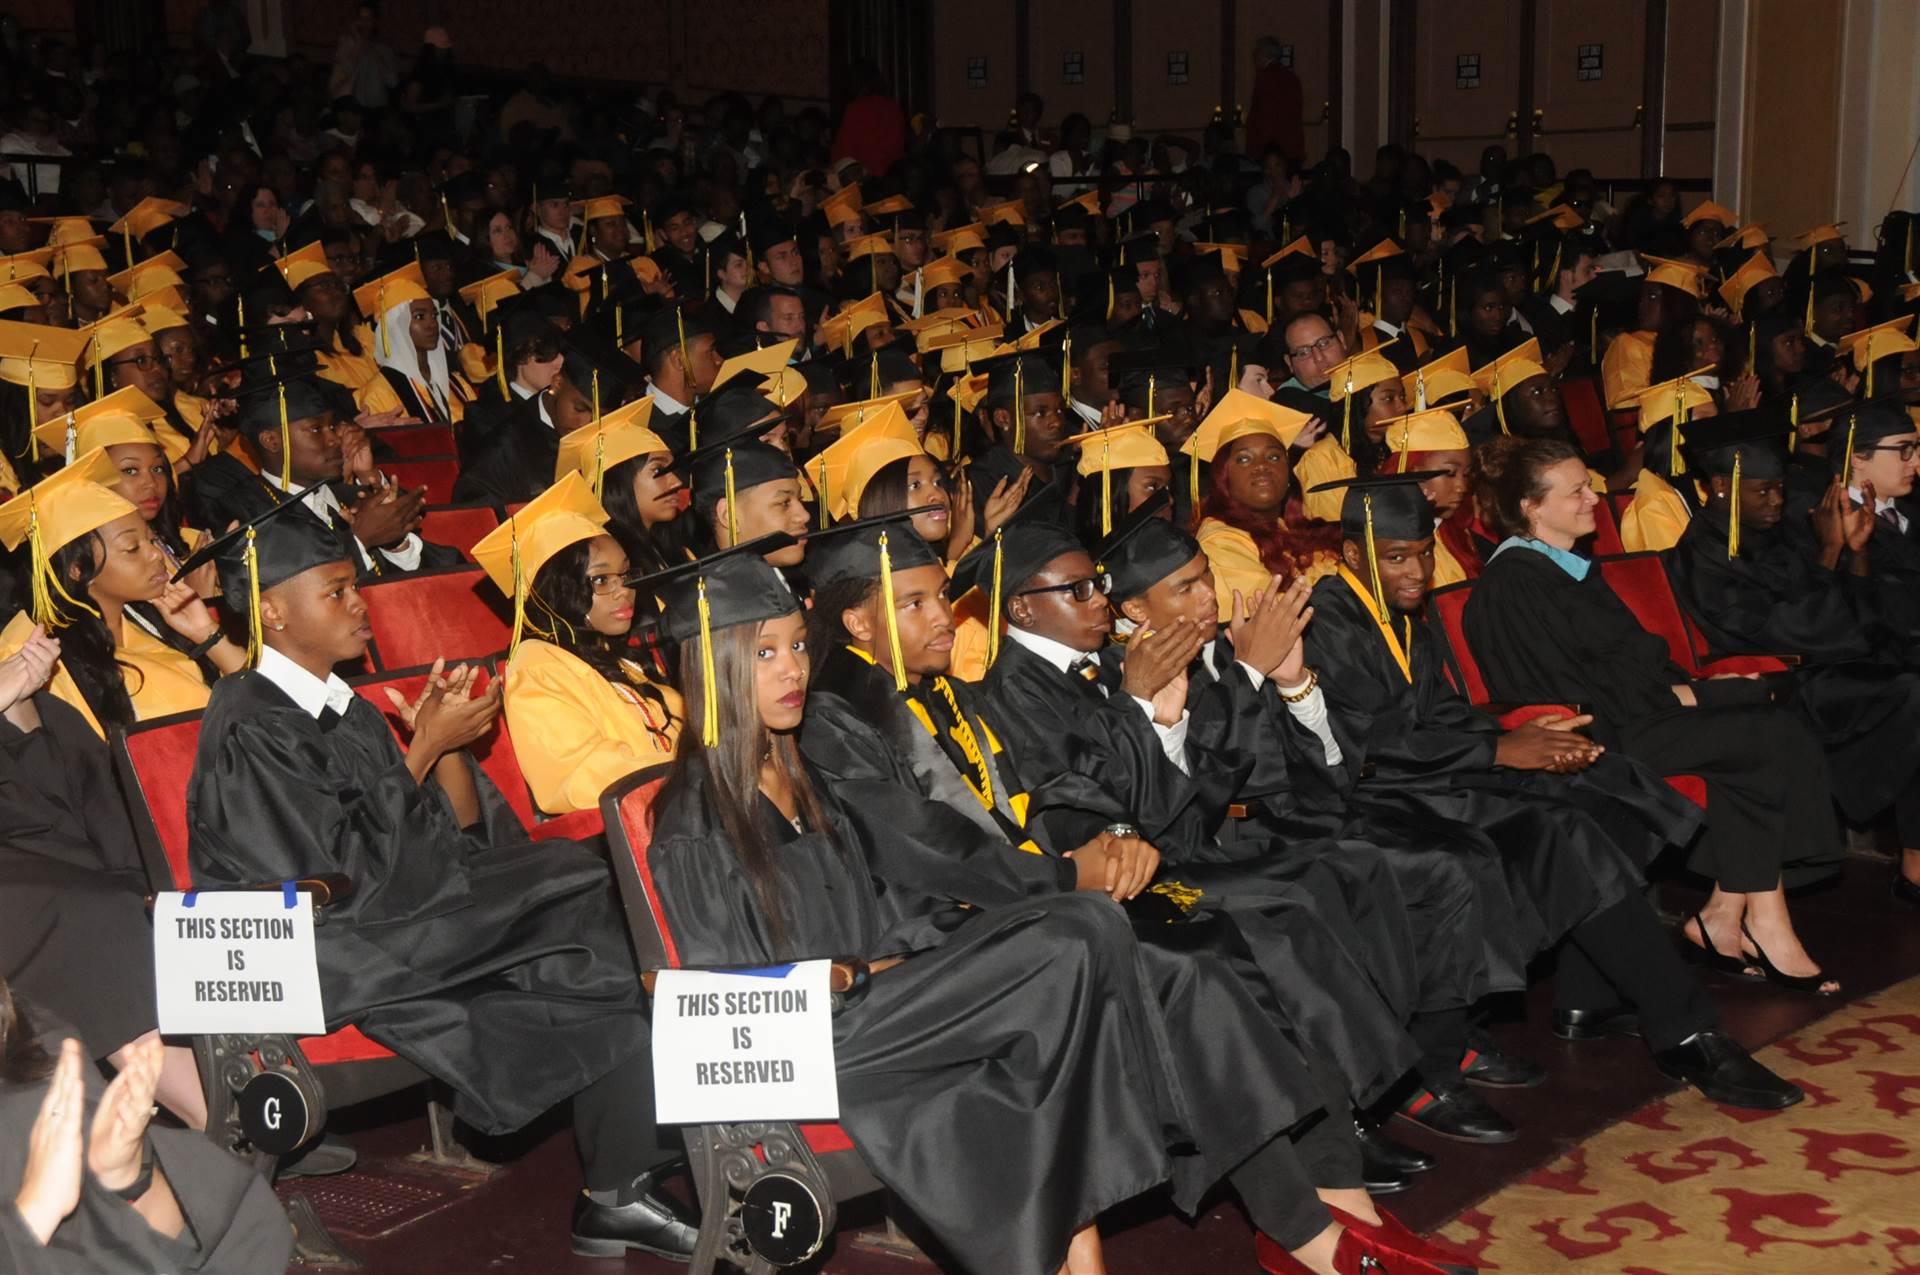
[(1323, 462), (574, 732), (160, 680), (1657, 517), (1236, 563), (1627, 368)]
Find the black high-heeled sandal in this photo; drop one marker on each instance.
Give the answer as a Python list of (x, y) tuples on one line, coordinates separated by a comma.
[(1792, 982), (1705, 953)]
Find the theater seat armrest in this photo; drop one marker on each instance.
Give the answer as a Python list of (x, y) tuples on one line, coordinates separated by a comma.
[(843, 977), (1512, 715), (327, 888), (1748, 664)]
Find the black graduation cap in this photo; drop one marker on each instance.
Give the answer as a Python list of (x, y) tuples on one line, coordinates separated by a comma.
[(868, 375), (1384, 507), (1016, 374), (720, 591), (872, 549), (593, 359), (673, 324), (1752, 442), (1145, 549), (269, 548), (1868, 424), (738, 405), (1022, 546), (1032, 261), (266, 296), (1074, 216), (1137, 248), (1188, 273), (610, 281), (432, 245), (765, 228), (274, 402), (1096, 289), (734, 463), (1138, 376), (1148, 211)]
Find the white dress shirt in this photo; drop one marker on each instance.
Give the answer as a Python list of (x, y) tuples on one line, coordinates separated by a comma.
[(665, 402), (325, 505), (1173, 739), (1561, 305), (1881, 505), (1310, 712), (303, 688)]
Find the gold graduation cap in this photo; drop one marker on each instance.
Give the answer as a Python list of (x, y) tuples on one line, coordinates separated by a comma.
[(62, 231), (1128, 446), (838, 331), (1237, 415), (146, 217), (1369, 367), (878, 244), (398, 287), (1436, 429), (1707, 210), (1820, 234), (1012, 211), (961, 239), (841, 472), (26, 265), (1561, 216), (52, 514), (1300, 247), (620, 435), (484, 295), (1675, 401), (1684, 275), (122, 417), (84, 255), (1089, 201), (148, 276), (767, 360), (602, 206), (106, 337), (1752, 271), (887, 206), (1439, 378), (1750, 236), (856, 413), (842, 206), (1030, 339), (959, 349), (954, 318), (1869, 345), (1519, 364), (306, 262), (513, 553), (1229, 254), (14, 296), (943, 271), (163, 310)]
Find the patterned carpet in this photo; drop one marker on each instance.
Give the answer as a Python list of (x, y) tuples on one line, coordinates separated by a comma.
[(1687, 1187)]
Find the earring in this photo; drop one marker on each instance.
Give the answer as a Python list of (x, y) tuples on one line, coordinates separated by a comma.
[(279, 628)]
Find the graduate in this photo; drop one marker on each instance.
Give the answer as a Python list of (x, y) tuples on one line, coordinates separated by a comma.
[(126, 423), (724, 909), (1669, 296), (135, 646), (1750, 591), (581, 708), (631, 470), (509, 440), (498, 967), (1368, 393), (410, 348), (1664, 496), (1432, 442), (743, 487), (1024, 410), (1546, 628)]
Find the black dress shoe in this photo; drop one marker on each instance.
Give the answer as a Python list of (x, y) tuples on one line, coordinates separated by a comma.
[(1490, 1068), (1452, 1110), (642, 1218), (1905, 891), (1592, 1024), (1395, 1159), (1720, 1067)]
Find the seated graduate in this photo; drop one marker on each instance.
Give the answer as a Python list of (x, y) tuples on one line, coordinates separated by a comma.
[(410, 348), (1025, 416), (74, 934), (136, 647), (507, 444), (1252, 524), (680, 364), (744, 488), (498, 967), (346, 355), (758, 862), (122, 422), (1751, 593), (1120, 469), (1152, 386), (1664, 495), (1369, 393), (1431, 441), (290, 422), (1876, 448), (1546, 628), (91, 1185), (580, 706), (1573, 826)]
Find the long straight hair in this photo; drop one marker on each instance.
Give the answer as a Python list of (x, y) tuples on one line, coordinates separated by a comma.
[(730, 770)]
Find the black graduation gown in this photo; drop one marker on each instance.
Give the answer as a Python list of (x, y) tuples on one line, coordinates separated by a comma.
[(1542, 637), (999, 462), (507, 454), (223, 491), (1008, 1081), (74, 934), (1324, 943), (930, 834), (497, 966), (235, 1226), (1856, 687), (1421, 759)]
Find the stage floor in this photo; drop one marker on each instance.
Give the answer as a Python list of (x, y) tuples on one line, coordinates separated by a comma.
[(516, 1224)]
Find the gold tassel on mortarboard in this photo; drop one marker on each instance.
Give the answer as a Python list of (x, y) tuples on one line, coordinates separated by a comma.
[(1106, 484), (953, 457), (873, 377), (1010, 292), (1269, 298), (286, 444), (1680, 412), (1373, 564), (240, 314), (1810, 292), (1066, 371), (1793, 420), (1420, 389), (1499, 403), (1733, 511), (709, 704), (599, 464), (500, 361), (893, 625), (256, 635), (46, 585), (1846, 461), (993, 619), (733, 521), (826, 516), (1019, 409), (33, 408), (646, 231), (1110, 300), (1346, 414)]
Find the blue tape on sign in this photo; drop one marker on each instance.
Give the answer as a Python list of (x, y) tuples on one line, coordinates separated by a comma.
[(766, 971), (288, 895), (190, 898)]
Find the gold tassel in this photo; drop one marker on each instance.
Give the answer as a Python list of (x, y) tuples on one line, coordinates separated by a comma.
[(599, 464), (33, 408), (1153, 381), (1373, 563), (46, 585), (1233, 366), (1010, 292), (1753, 340), (893, 627), (1420, 389), (240, 313), (519, 592), (1793, 419), (686, 364), (1019, 408), (256, 634), (1346, 414), (826, 519), (1499, 403), (1810, 291), (500, 362), (1680, 413), (380, 321), (1269, 298), (709, 703), (1733, 511), (286, 444), (993, 619), (953, 457), (1110, 299), (1846, 461), (873, 376), (1066, 370), (1193, 485), (596, 396), (733, 522), (1106, 484), (646, 231)]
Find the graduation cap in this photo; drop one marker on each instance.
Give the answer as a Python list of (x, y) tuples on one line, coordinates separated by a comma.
[(841, 472), (735, 461), (1707, 210), (1145, 549), (1434, 429), (36, 355), (303, 265), (513, 553), (838, 331), (1138, 376), (1373, 268), (720, 591), (1348, 377), (842, 206), (265, 298), (53, 513), (765, 228), (968, 238), (1734, 288), (107, 337), (1671, 403), (1687, 276), (1497, 377), (125, 416), (1237, 415), (1016, 552), (1102, 451), (766, 360), (1869, 345), (877, 371), (1009, 212), (1750, 444), (943, 272), (143, 219), (873, 548), (1869, 422), (14, 296), (270, 548), (78, 256), (1437, 380), (1384, 507), (275, 401), (619, 436)]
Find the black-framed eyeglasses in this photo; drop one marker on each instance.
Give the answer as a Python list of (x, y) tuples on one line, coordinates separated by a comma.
[(145, 362), (1082, 589), (1325, 343), (1906, 449)]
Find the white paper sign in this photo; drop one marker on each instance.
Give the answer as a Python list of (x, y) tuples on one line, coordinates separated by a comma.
[(744, 1046), (236, 961)]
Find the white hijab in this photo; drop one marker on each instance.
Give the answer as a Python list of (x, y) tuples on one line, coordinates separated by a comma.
[(393, 347)]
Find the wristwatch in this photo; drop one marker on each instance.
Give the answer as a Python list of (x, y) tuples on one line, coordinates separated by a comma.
[(133, 1190), (1121, 830)]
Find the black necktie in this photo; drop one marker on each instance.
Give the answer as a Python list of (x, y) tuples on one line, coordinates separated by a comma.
[(329, 717)]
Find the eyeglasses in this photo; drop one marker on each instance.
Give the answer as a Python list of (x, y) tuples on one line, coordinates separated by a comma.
[(1321, 346), (1906, 449), (145, 362), (1082, 589), (602, 585)]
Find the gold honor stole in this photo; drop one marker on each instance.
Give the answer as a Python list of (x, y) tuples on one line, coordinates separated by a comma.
[(1400, 649)]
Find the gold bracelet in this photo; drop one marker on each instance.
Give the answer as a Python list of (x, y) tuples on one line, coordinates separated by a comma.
[(1313, 680)]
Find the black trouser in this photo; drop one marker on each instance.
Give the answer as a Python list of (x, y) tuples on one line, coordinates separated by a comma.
[(1906, 816), (1276, 1183), (613, 1123)]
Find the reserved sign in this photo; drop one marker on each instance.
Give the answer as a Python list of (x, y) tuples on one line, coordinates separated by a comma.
[(744, 1045), (238, 961)]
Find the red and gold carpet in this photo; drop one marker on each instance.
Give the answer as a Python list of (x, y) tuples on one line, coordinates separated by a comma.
[(1687, 1187)]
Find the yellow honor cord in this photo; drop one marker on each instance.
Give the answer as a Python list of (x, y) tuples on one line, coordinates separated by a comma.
[(1733, 510), (500, 361), (256, 634), (993, 620), (893, 625), (733, 522), (240, 313), (1373, 564), (1019, 408), (709, 703), (1106, 485), (286, 444), (599, 463)]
